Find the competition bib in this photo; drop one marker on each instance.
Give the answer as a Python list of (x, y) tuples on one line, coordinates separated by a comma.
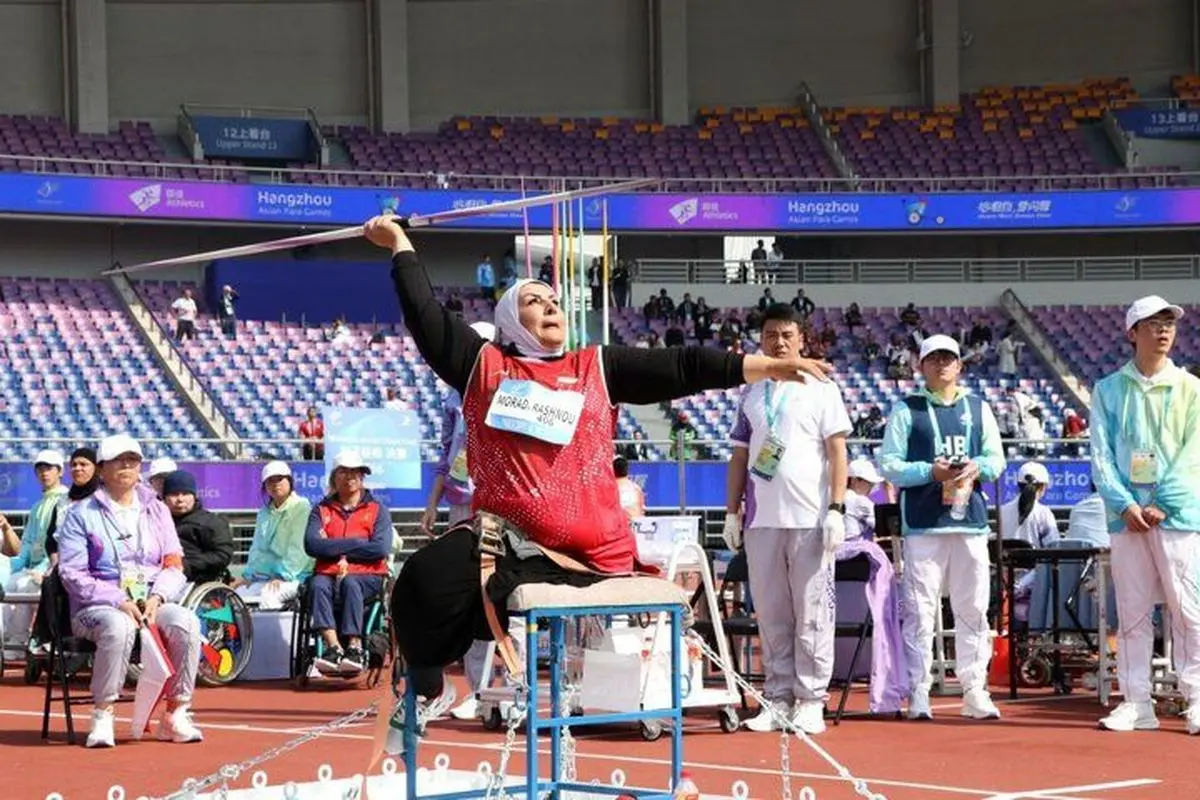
[(458, 469), (1143, 468), (530, 409), (766, 464), (133, 583)]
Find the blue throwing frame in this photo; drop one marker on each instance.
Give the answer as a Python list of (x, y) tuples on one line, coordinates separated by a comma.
[(535, 786)]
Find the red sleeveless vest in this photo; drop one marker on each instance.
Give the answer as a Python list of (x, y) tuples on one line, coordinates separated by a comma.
[(563, 497)]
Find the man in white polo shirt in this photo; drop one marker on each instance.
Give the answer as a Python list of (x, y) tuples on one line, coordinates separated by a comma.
[(789, 463)]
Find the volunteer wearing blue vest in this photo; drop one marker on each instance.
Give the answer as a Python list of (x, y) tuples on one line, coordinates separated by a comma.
[(939, 444), (789, 461), (1145, 431)]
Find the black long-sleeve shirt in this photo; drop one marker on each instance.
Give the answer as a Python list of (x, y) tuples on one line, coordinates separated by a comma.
[(632, 375)]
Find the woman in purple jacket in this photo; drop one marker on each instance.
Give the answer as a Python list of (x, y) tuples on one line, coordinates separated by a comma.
[(121, 564)]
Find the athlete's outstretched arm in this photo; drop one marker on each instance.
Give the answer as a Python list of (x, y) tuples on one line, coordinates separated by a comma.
[(643, 376)]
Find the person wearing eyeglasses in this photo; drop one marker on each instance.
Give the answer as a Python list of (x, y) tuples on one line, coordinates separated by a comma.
[(1146, 466)]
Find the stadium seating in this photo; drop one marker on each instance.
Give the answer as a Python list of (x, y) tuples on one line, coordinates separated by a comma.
[(1001, 137), (865, 385), (269, 376), (1098, 345), (1015, 133), (598, 147), (78, 370), (133, 142)]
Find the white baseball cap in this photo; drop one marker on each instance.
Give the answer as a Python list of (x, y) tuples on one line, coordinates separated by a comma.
[(933, 344), (161, 466), (1033, 472), (1147, 307), (276, 469), (52, 457), (350, 459), (485, 329), (117, 445), (864, 469)]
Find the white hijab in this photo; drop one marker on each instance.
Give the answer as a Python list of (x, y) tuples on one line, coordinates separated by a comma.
[(509, 328)]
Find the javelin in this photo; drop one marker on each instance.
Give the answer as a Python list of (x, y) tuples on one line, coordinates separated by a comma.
[(415, 221)]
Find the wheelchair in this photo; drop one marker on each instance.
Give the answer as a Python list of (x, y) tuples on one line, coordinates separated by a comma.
[(227, 630), (307, 645)]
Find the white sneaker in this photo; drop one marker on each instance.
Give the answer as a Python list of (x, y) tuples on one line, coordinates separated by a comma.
[(101, 734), (1132, 716), (177, 726), (1192, 718), (769, 718), (977, 704), (427, 711), (809, 716), (918, 705), (466, 710)]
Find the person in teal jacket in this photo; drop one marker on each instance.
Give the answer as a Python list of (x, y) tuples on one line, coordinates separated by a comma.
[(939, 446), (32, 562), (1145, 433), (277, 563)]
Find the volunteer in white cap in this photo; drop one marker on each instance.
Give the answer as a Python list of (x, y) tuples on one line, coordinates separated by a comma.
[(1146, 465), (277, 563), (789, 465), (160, 468), (940, 443), (32, 562), (860, 508), (1026, 517), (121, 564)]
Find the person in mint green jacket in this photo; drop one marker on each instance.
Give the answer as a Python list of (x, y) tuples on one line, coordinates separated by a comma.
[(277, 563), (940, 445), (1145, 431), (32, 562)]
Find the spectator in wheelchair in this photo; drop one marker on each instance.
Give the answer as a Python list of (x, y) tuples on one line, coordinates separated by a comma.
[(277, 563), (350, 536), (206, 538), (121, 565)]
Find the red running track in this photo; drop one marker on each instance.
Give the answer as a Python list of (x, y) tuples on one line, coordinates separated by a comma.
[(1045, 747)]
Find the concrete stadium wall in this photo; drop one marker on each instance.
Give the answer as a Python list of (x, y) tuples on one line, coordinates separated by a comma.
[(568, 56)]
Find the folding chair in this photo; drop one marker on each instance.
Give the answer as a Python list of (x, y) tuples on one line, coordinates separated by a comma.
[(68, 654), (857, 572)]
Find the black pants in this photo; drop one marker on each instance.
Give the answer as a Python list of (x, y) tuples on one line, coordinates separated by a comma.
[(437, 602)]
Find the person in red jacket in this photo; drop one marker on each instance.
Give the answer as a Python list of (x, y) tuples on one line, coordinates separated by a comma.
[(350, 536), (540, 422)]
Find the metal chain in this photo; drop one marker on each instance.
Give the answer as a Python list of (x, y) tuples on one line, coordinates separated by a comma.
[(231, 772), (496, 783), (860, 786), (785, 764)]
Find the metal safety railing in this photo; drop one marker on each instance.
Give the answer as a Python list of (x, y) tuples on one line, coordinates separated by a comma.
[(516, 183), (918, 270)]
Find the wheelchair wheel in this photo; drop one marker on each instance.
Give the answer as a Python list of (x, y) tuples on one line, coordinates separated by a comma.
[(227, 630)]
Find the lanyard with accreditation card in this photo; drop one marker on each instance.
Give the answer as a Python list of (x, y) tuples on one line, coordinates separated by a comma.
[(1143, 461), (950, 487), (766, 463)]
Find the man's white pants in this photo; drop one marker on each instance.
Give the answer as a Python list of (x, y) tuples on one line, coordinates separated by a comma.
[(794, 602), (959, 562), (1149, 568)]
